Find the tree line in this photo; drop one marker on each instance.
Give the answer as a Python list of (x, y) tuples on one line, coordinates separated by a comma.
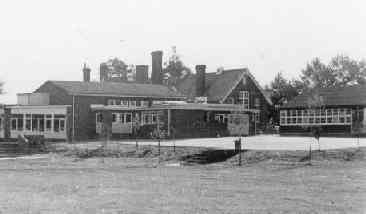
[(340, 72)]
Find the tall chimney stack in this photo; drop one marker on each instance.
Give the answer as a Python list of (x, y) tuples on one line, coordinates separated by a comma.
[(200, 80), (142, 73), (86, 73), (157, 67), (103, 70)]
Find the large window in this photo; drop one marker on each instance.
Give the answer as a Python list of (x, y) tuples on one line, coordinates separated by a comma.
[(99, 117), (222, 118), (59, 123), (117, 118), (128, 103), (37, 122), (17, 122), (48, 122), (333, 116), (244, 99), (149, 118), (112, 102)]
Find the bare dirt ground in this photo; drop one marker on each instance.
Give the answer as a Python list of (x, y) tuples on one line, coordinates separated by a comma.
[(78, 179), (260, 142)]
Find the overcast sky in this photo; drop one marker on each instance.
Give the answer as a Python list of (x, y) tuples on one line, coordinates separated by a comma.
[(50, 40)]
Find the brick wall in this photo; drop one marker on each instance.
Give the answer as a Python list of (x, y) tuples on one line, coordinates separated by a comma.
[(254, 93)]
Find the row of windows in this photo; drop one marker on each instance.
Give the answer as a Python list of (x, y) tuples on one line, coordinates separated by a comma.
[(121, 118), (316, 116), (316, 112), (126, 118), (224, 118), (128, 103), (38, 122)]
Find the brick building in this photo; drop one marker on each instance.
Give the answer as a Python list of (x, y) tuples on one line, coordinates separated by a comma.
[(201, 105)]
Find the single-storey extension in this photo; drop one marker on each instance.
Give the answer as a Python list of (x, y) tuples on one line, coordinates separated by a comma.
[(336, 111)]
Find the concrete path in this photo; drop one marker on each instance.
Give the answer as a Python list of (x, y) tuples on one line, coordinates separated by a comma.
[(263, 142)]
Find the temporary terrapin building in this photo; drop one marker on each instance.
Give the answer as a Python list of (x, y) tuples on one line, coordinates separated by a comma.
[(336, 111)]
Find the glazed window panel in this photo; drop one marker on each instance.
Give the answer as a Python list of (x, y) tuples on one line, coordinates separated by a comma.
[(128, 118), (59, 123), (114, 117), (339, 116), (99, 117), (17, 122), (222, 118), (112, 102), (122, 118), (28, 122), (244, 99)]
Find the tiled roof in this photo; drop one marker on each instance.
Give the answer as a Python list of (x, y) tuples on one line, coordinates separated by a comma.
[(347, 96), (218, 86), (116, 89)]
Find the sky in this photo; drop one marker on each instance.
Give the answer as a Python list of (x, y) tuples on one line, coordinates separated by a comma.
[(44, 40)]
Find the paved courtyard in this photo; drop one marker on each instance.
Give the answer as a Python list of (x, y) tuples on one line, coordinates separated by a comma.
[(263, 142)]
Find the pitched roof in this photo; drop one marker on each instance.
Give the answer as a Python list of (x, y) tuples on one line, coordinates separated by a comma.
[(335, 96), (217, 86), (116, 89)]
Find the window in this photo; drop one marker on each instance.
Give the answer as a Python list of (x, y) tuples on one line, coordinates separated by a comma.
[(128, 117), (99, 117), (132, 103), (122, 118), (257, 117), (145, 119), (13, 124), (244, 99), (124, 102), (16, 121), (28, 122), (145, 103), (114, 117), (112, 102), (1, 123), (149, 118), (222, 118), (282, 121), (48, 122), (59, 123), (138, 103), (316, 116)]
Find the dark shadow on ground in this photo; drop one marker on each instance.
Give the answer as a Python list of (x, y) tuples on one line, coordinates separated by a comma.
[(209, 156)]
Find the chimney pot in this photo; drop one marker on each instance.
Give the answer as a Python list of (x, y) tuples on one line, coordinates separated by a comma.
[(86, 73)]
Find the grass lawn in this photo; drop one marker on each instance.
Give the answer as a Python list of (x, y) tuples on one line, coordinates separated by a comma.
[(63, 183)]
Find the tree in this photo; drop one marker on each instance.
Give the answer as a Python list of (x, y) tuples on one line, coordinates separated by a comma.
[(174, 69), (1, 87), (348, 71), (114, 70), (283, 89), (340, 72)]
